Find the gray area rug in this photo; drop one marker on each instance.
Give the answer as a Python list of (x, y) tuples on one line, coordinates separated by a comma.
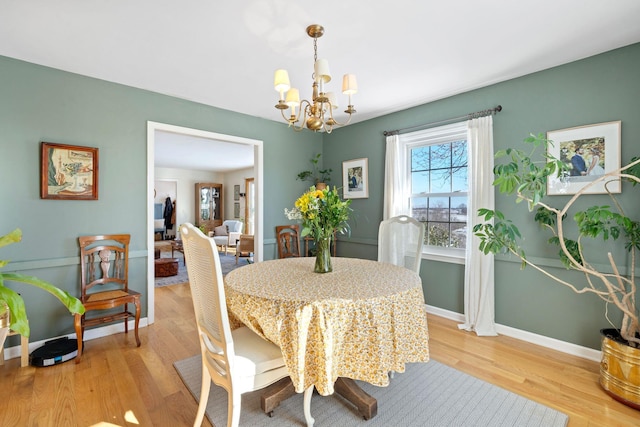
[(425, 395), (227, 262)]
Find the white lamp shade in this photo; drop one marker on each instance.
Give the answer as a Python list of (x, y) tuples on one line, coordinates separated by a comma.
[(293, 98), (281, 81), (322, 72), (349, 84), (332, 100)]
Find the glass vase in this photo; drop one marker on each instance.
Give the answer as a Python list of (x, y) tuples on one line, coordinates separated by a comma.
[(323, 255)]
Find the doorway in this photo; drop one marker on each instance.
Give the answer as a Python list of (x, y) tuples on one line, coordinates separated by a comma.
[(250, 205), (258, 158)]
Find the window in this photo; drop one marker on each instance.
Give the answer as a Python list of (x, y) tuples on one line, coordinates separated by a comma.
[(437, 186)]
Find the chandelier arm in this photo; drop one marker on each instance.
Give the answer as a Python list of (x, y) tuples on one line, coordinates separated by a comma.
[(302, 116), (335, 122)]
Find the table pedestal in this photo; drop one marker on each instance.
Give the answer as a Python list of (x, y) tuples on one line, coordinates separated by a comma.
[(346, 387)]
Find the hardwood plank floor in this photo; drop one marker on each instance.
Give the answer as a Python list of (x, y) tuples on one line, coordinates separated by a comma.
[(119, 384)]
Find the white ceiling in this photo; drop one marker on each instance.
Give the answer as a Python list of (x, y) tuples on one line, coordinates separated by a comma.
[(224, 53), (178, 151)]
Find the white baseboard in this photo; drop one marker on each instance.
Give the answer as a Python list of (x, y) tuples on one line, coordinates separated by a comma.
[(541, 340), (89, 334), (552, 343)]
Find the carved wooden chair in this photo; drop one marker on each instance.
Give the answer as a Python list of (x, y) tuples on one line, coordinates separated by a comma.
[(238, 361), (104, 265), (288, 237)]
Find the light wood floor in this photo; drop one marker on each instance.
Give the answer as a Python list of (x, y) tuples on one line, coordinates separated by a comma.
[(119, 384)]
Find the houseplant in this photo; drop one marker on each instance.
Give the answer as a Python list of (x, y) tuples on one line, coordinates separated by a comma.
[(322, 213), (525, 178), (316, 176), (14, 301)]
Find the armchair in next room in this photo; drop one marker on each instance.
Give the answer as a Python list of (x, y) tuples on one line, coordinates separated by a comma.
[(227, 234)]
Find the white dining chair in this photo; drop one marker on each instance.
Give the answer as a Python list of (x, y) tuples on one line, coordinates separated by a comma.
[(239, 361), (400, 241)]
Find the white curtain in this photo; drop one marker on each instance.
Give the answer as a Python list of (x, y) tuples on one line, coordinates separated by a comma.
[(479, 301), (396, 199)]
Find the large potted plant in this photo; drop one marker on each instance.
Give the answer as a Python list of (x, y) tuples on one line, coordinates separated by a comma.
[(525, 176), (11, 299), (318, 177)]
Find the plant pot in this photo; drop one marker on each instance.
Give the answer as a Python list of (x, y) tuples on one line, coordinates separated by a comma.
[(321, 186), (620, 368)]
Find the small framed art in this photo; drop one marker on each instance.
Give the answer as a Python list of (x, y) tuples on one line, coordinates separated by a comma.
[(355, 179), (589, 152), (68, 172)]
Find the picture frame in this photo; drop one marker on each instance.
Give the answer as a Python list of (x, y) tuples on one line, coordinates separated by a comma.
[(236, 192), (68, 172), (355, 178), (236, 210), (589, 151)]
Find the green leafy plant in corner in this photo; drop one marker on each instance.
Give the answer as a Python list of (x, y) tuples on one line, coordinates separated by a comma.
[(14, 301), (526, 179), (315, 175)]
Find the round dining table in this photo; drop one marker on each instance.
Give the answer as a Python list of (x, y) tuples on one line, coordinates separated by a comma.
[(360, 321)]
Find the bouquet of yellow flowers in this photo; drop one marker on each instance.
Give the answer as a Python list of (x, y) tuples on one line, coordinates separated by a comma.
[(321, 212)]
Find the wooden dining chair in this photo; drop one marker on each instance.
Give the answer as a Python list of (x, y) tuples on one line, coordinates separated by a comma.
[(244, 246), (400, 241), (238, 361), (104, 265), (288, 237)]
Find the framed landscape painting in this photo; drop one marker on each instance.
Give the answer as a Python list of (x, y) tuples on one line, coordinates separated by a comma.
[(68, 172), (589, 152)]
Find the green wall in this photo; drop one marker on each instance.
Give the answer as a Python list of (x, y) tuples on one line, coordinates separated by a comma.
[(594, 90), (42, 104)]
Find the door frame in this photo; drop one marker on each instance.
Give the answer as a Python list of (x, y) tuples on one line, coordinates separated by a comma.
[(258, 168)]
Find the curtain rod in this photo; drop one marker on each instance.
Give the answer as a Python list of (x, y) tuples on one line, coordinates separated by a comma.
[(469, 116)]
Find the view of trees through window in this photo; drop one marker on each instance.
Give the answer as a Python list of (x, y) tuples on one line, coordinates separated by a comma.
[(439, 192)]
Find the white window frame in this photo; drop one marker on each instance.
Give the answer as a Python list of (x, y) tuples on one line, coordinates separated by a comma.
[(432, 136)]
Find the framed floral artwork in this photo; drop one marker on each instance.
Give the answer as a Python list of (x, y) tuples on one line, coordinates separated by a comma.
[(68, 172), (589, 152), (355, 179)]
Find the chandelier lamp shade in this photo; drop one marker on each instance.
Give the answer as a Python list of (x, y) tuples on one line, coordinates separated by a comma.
[(317, 114)]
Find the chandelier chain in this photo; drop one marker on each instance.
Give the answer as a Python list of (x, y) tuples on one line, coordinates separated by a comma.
[(315, 56)]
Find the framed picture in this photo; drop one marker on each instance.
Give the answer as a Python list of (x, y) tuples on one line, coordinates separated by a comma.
[(68, 172), (589, 152), (355, 179), (236, 210), (236, 192)]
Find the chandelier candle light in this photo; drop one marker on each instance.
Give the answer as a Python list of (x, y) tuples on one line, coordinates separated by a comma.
[(316, 114)]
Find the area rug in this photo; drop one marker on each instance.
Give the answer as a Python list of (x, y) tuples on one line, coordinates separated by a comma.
[(227, 262), (425, 395)]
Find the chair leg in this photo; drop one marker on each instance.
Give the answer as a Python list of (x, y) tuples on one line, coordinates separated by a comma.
[(24, 351), (137, 322), (78, 326), (126, 319), (204, 396), (307, 406), (234, 406)]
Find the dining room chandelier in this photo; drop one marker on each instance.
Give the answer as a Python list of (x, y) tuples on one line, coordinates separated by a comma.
[(317, 114)]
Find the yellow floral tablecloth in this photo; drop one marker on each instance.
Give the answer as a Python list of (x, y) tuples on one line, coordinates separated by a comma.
[(360, 321)]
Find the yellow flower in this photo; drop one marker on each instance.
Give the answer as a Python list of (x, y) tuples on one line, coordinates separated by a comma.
[(322, 212)]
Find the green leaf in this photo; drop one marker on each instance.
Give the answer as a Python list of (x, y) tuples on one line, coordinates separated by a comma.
[(17, 309)]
